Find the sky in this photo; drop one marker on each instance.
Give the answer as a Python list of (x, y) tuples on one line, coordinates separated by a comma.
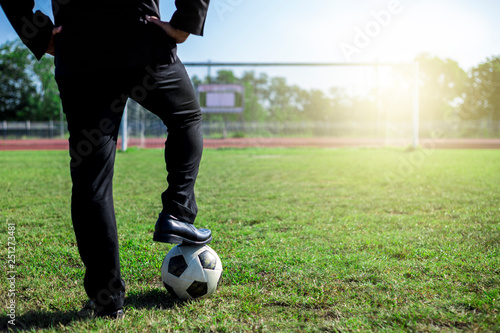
[(336, 31)]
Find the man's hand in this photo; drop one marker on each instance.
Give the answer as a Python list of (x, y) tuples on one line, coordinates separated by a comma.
[(178, 35), (50, 48)]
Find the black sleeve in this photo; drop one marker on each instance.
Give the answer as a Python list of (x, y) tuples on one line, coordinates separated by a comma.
[(190, 15), (34, 29)]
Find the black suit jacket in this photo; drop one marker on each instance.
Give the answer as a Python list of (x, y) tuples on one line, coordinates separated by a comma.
[(103, 34)]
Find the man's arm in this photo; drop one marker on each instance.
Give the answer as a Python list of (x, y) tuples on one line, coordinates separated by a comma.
[(34, 29), (189, 18)]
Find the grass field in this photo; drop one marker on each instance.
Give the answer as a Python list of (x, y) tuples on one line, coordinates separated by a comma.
[(349, 240)]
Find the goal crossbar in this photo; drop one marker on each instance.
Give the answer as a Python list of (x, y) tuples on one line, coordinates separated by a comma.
[(293, 64), (414, 65)]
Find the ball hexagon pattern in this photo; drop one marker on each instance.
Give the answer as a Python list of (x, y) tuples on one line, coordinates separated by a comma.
[(190, 272)]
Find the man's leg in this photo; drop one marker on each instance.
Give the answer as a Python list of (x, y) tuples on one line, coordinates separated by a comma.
[(172, 98), (93, 123)]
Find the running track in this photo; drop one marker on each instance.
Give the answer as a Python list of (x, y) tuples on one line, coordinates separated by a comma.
[(62, 144)]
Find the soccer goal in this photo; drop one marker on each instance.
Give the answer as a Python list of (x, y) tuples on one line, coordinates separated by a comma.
[(375, 100)]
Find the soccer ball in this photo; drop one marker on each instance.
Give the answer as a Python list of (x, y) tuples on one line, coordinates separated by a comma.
[(190, 272)]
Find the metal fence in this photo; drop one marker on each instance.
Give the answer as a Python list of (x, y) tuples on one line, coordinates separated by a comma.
[(216, 129), (32, 129)]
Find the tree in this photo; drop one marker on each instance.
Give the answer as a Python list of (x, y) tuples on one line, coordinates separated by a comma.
[(255, 90), (442, 85), (49, 102), (16, 87), (317, 106), (284, 101), (225, 76), (482, 99), (28, 90)]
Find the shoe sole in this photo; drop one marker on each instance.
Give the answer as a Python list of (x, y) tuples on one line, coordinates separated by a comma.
[(112, 316), (174, 239)]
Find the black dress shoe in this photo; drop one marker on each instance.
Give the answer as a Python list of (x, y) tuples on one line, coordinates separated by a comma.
[(170, 230), (118, 315)]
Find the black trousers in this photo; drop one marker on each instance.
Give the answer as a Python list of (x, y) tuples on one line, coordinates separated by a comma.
[(94, 104)]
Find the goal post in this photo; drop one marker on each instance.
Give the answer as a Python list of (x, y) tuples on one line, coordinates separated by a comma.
[(389, 106)]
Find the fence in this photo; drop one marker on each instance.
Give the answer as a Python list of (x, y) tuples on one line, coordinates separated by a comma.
[(219, 128), (32, 129)]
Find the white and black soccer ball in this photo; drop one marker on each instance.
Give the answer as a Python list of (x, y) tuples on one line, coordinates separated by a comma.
[(190, 272)]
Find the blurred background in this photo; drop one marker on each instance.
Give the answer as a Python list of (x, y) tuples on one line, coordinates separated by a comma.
[(326, 68)]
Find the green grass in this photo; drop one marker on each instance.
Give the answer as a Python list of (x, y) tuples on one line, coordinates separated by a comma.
[(310, 240)]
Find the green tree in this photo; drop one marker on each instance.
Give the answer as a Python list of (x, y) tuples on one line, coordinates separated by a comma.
[(225, 76), (318, 106), (255, 91), (49, 103), (482, 100), (285, 102), (442, 86), (196, 81), (17, 90), (28, 90)]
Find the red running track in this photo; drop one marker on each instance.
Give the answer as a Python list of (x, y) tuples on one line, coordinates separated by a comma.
[(62, 144)]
